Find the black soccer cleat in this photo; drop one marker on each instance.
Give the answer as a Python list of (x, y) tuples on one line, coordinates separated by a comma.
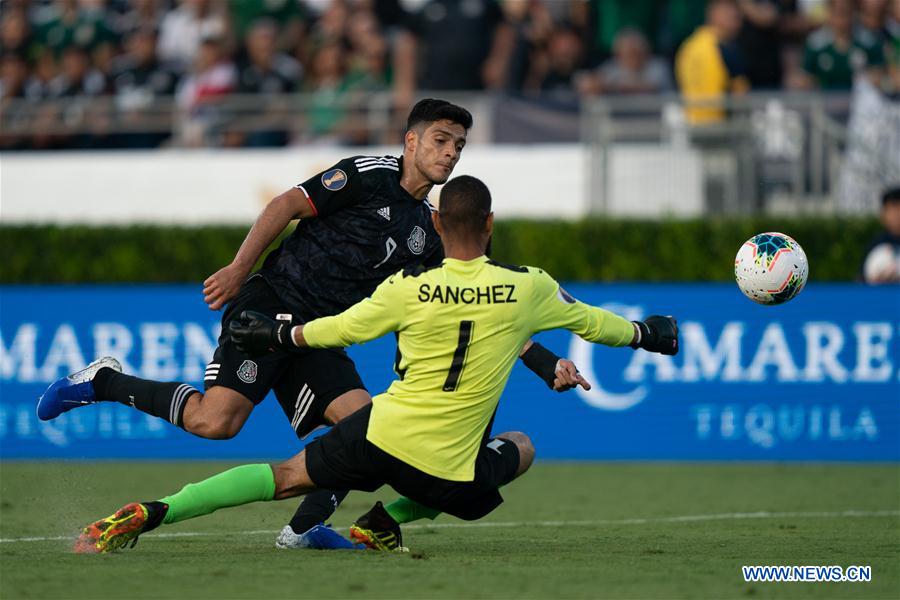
[(378, 530)]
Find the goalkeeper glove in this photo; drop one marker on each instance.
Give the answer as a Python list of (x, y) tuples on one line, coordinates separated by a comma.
[(657, 334), (254, 333)]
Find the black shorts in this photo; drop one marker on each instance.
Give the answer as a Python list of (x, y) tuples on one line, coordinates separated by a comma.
[(305, 381), (344, 459)]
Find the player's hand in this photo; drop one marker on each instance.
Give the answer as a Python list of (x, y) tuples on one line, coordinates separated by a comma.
[(658, 334), (568, 377), (223, 285), (254, 333)]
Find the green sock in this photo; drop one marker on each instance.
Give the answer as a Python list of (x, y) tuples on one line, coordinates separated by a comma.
[(240, 485), (404, 510)]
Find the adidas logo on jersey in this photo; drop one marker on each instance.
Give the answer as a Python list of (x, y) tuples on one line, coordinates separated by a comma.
[(385, 212)]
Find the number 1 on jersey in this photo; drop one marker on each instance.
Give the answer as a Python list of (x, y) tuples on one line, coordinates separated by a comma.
[(459, 356)]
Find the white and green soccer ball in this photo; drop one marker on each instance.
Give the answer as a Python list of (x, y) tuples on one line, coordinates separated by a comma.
[(771, 268)]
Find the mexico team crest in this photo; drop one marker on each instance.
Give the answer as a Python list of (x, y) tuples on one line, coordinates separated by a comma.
[(247, 371), (416, 241), (334, 180)]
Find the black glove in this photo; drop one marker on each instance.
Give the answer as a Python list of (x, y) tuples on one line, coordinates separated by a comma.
[(658, 334), (254, 333), (542, 362)]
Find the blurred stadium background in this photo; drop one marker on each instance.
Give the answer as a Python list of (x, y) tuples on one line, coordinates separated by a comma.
[(631, 147)]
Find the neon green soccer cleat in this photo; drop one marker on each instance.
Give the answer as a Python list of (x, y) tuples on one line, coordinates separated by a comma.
[(114, 531), (378, 531)]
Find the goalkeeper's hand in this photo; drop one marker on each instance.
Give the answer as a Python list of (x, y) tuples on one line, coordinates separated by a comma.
[(254, 333), (657, 334)]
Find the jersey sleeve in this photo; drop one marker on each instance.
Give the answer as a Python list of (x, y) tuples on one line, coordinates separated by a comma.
[(554, 308), (333, 189), (366, 320)]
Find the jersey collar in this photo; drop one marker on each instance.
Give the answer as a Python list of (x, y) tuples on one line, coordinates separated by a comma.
[(455, 261)]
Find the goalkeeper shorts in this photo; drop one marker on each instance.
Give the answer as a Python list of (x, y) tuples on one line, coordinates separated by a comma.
[(344, 459)]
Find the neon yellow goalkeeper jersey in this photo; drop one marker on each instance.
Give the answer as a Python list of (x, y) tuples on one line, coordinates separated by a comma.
[(461, 328)]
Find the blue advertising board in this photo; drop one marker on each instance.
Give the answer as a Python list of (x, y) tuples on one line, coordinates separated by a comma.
[(814, 379)]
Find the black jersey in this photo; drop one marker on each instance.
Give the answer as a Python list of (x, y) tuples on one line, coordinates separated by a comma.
[(365, 227)]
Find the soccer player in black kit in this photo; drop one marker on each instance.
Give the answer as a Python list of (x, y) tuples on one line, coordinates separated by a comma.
[(360, 221)]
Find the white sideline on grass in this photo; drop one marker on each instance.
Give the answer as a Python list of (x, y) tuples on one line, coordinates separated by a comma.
[(487, 524)]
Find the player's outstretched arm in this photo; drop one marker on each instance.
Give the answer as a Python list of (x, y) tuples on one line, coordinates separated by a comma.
[(255, 333), (221, 286), (554, 308)]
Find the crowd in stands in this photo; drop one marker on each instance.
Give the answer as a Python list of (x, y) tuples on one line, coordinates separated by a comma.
[(140, 54)]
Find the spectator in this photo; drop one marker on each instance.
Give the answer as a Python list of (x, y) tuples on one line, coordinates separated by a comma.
[(212, 76), (70, 22), (267, 72), (835, 52), (139, 80), (15, 34), (532, 24), (77, 78), (288, 14), (760, 42), (632, 69), (330, 26), (138, 75), (328, 88), (43, 72), (613, 16), (368, 60), (562, 61), (871, 19), (882, 261), (709, 64), (80, 85), (13, 75), (139, 14), (184, 28), (448, 62)]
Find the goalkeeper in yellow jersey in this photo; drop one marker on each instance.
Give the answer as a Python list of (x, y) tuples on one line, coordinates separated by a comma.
[(461, 326)]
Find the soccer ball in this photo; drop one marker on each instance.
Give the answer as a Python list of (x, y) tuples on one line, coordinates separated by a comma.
[(771, 268)]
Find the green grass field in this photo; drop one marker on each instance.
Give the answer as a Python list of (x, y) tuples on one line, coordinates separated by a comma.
[(584, 530)]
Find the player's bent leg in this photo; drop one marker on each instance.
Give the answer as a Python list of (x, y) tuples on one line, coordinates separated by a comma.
[(219, 414), (346, 404), (525, 447), (292, 478), (320, 387), (234, 487), (318, 506)]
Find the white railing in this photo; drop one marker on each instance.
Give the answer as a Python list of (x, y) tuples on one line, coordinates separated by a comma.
[(772, 152)]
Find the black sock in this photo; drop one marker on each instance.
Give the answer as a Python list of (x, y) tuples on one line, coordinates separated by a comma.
[(156, 513), (163, 400), (316, 507)]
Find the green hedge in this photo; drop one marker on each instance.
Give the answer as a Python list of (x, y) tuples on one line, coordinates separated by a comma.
[(589, 250)]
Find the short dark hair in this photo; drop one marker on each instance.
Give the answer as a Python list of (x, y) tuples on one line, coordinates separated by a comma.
[(430, 110), (465, 205), (890, 195)]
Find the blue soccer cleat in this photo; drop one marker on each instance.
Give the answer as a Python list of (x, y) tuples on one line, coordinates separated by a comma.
[(73, 390), (319, 537)]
